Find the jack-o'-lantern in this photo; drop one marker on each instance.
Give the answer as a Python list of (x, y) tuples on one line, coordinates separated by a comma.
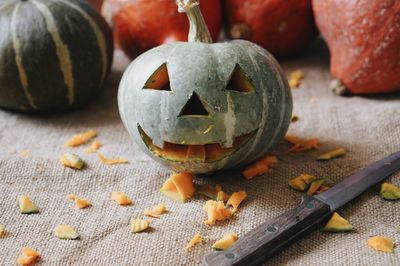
[(200, 107)]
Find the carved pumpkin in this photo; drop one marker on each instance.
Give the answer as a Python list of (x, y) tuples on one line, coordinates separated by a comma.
[(140, 25), (282, 27), (364, 42), (54, 55), (200, 107)]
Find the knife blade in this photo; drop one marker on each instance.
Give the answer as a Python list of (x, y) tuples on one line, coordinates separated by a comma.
[(272, 236)]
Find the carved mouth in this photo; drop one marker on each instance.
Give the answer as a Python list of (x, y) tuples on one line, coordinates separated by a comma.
[(204, 153)]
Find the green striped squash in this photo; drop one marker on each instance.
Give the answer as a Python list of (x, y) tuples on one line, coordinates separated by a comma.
[(54, 54)]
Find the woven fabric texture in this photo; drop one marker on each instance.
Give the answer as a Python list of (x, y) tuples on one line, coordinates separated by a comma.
[(368, 127)]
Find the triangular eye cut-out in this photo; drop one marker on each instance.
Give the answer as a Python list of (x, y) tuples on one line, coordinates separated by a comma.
[(194, 106), (159, 80), (240, 81)]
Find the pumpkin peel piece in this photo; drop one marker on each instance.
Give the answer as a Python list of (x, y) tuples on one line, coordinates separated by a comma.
[(26, 205), (389, 191), (179, 187), (139, 225), (3, 231), (301, 182), (260, 167), (295, 78), (332, 154), (236, 198), (338, 224), (111, 161), (94, 147), (72, 161), (81, 138), (121, 198), (225, 242), (315, 186), (66, 232), (79, 202), (211, 192), (156, 211), (381, 243), (197, 239), (28, 257), (216, 211), (301, 144)]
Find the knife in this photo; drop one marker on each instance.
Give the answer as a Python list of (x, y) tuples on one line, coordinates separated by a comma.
[(273, 236)]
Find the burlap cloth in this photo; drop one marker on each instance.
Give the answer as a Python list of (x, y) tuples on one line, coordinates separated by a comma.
[(369, 127)]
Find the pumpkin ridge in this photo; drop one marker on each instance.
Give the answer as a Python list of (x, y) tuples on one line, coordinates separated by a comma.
[(99, 36), (62, 50), (23, 77)]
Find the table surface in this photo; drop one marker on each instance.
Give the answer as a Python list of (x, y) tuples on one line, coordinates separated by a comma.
[(369, 127)]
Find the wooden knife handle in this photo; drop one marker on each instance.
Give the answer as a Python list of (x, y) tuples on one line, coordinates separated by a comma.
[(270, 237)]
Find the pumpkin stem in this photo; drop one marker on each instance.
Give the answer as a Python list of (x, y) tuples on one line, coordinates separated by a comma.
[(198, 31)]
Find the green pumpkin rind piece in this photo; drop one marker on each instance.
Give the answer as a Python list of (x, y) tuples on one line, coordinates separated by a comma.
[(70, 64), (389, 191), (338, 224), (26, 206), (314, 186)]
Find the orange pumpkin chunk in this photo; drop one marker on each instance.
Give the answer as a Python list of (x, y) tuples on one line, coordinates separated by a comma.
[(381, 243), (195, 240), (80, 139), (111, 161), (79, 203), (179, 187), (28, 257), (260, 167), (211, 192), (216, 211), (121, 198), (236, 199), (156, 211), (94, 147), (301, 144)]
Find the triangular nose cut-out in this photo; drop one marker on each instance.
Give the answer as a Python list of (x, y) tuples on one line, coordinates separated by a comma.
[(194, 107), (159, 80)]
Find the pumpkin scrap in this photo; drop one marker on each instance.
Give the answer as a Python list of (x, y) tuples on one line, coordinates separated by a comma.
[(295, 78), (216, 211), (195, 240), (381, 243), (235, 199), (179, 187), (111, 161), (156, 211), (294, 118), (72, 161), (314, 187), (28, 257), (211, 192), (139, 225), (302, 145), (331, 154), (226, 242), (260, 167), (66, 232), (301, 182), (338, 224), (79, 203), (80, 139), (121, 198), (94, 147), (322, 188), (2, 231), (26, 206), (389, 191)]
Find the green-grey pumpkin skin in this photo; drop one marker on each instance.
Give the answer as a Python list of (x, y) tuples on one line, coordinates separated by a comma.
[(205, 69), (28, 49)]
